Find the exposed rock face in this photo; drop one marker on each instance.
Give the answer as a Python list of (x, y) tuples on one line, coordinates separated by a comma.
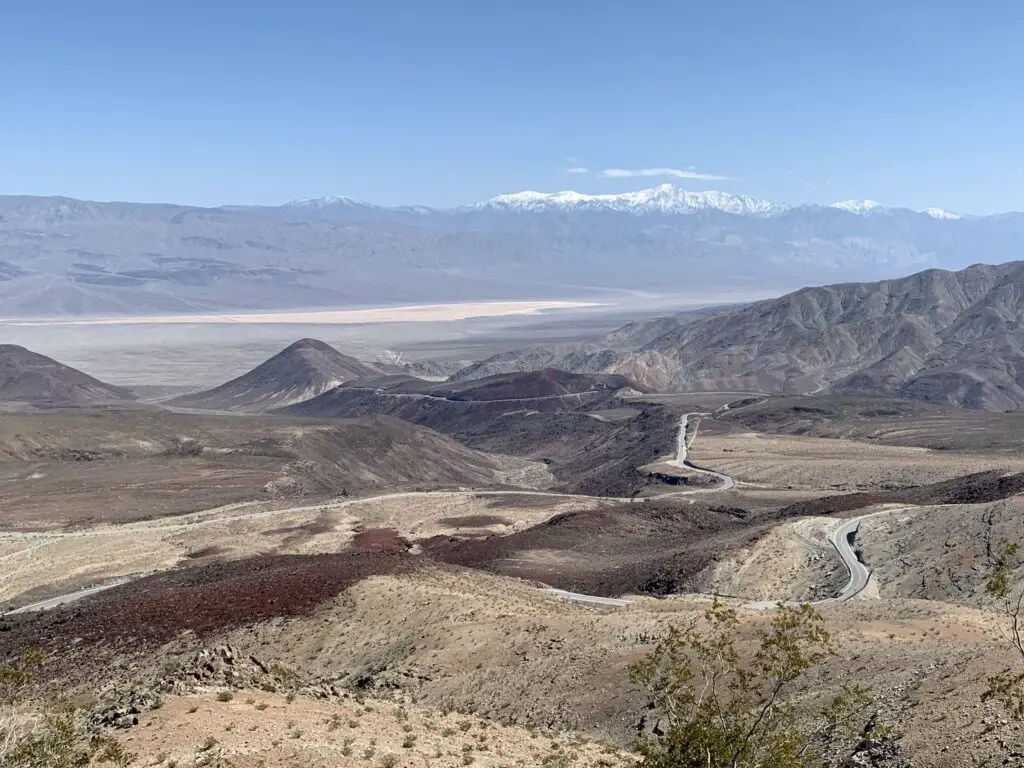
[(224, 666), (28, 377), (951, 337), (881, 753), (944, 337)]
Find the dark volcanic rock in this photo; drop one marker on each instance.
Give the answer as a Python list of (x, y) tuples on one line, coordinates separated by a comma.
[(29, 377), (299, 372)]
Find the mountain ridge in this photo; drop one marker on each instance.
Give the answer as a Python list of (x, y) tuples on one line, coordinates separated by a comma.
[(65, 257), (936, 335), (662, 198)]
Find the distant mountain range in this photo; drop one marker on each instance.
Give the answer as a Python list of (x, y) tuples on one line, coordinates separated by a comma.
[(945, 337), (662, 199), (60, 256)]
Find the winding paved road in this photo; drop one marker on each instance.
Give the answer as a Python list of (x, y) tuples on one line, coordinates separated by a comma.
[(859, 573), (197, 519), (70, 597), (682, 451)]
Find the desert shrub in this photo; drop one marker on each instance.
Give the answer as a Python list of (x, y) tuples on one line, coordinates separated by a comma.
[(1007, 599), (52, 736), (185, 447), (721, 710)]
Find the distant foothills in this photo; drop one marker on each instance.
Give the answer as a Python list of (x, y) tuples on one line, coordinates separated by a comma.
[(952, 338)]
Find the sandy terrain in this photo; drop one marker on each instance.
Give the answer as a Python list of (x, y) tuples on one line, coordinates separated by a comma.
[(827, 464), (439, 639), (402, 628), (422, 313), (509, 653), (94, 467), (46, 563), (794, 561), (283, 732)]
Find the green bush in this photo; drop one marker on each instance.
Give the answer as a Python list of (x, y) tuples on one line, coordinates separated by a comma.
[(55, 736), (1008, 600), (721, 710)]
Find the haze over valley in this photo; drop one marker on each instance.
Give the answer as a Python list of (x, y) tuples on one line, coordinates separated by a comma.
[(65, 257), (327, 440)]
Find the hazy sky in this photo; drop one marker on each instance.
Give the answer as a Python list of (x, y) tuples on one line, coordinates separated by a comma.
[(449, 101)]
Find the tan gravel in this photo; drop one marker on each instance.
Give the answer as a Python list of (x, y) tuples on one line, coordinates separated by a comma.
[(837, 465)]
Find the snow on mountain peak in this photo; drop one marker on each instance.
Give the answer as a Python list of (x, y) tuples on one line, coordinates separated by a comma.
[(319, 203), (940, 213), (664, 198), (858, 206)]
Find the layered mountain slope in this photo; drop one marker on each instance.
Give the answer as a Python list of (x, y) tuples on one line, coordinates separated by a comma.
[(299, 372), (952, 337), (546, 416), (945, 337), (455, 406), (591, 356), (28, 377)]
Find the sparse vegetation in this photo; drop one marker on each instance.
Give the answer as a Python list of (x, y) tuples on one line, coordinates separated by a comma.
[(54, 736), (722, 710), (1008, 598)]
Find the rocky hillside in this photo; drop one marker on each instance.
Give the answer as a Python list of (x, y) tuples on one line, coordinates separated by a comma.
[(299, 372), (591, 356), (950, 337), (28, 377), (575, 424), (454, 406), (944, 337)]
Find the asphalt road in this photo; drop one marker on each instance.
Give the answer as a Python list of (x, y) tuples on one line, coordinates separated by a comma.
[(70, 597), (860, 574), (725, 483), (683, 449)]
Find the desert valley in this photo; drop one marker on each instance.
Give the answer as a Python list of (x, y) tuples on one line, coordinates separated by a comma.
[(332, 561), (511, 385)]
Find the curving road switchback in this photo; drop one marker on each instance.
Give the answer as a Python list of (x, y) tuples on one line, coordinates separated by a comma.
[(840, 539)]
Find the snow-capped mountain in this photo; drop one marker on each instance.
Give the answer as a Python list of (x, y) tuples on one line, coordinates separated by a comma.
[(939, 213), (669, 199), (664, 198), (60, 256), (858, 206), (331, 201)]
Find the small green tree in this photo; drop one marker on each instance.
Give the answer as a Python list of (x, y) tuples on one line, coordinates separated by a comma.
[(1008, 600), (722, 710)]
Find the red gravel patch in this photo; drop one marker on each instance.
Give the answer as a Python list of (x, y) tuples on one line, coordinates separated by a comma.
[(204, 599), (979, 488)]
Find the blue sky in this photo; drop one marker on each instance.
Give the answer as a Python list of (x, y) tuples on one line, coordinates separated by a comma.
[(450, 101)]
